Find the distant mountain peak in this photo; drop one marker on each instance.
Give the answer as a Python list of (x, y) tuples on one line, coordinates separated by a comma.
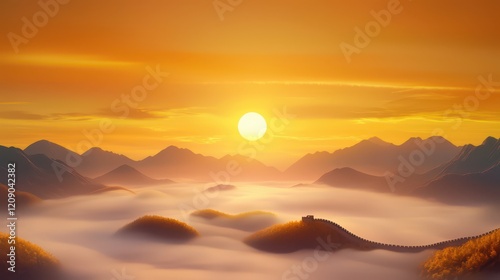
[(378, 141), (45, 144), (169, 152), (128, 176), (125, 168), (43, 141), (37, 176), (50, 149), (93, 150), (474, 159), (172, 147), (375, 139), (490, 140), (175, 150), (412, 141), (99, 151), (352, 178), (374, 156), (367, 143), (439, 139)]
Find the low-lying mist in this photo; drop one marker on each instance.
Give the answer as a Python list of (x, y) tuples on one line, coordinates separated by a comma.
[(79, 231)]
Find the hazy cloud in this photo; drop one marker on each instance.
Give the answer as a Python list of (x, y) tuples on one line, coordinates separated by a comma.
[(21, 115)]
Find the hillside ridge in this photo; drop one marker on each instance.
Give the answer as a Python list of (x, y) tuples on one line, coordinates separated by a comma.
[(372, 245)]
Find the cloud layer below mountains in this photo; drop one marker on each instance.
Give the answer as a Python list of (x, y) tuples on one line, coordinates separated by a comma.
[(78, 231)]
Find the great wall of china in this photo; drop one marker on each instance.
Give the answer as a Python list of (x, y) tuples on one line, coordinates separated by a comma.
[(371, 245)]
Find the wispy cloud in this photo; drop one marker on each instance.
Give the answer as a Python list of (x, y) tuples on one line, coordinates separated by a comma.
[(133, 114), (21, 115), (422, 105), (59, 60), (362, 84), (26, 115)]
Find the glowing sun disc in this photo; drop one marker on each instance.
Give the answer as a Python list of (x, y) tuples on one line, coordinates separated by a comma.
[(252, 126)]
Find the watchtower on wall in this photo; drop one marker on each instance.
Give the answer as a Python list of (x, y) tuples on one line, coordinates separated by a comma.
[(308, 218)]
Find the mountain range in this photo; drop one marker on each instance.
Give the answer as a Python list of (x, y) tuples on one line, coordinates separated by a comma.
[(42, 176), (92, 163), (170, 163), (471, 188), (373, 156), (350, 178), (472, 176), (126, 175), (437, 168)]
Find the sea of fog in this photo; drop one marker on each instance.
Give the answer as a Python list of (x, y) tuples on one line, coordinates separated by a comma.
[(79, 232)]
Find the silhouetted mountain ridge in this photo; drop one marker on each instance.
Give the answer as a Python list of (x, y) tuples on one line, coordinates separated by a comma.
[(43, 176), (474, 159), (171, 162), (126, 175), (98, 161), (374, 156), (350, 178), (471, 177), (472, 188), (50, 149)]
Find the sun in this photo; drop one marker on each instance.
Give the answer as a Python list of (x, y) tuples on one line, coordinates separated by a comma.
[(252, 126)]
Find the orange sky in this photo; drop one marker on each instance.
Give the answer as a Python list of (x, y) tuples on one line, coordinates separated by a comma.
[(265, 56)]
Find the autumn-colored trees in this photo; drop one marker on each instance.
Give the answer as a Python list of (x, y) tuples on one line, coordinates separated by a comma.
[(160, 228), (293, 236), (31, 261), (474, 256)]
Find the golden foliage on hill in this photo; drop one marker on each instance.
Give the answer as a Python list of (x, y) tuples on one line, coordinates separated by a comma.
[(474, 256), (293, 236), (211, 214), (32, 262), (159, 227)]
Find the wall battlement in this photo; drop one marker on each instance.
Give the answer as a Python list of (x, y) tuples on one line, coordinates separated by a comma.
[(359, 241), (308, 218)]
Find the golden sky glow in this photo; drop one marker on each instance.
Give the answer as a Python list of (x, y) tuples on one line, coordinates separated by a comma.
[(265, 56)]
